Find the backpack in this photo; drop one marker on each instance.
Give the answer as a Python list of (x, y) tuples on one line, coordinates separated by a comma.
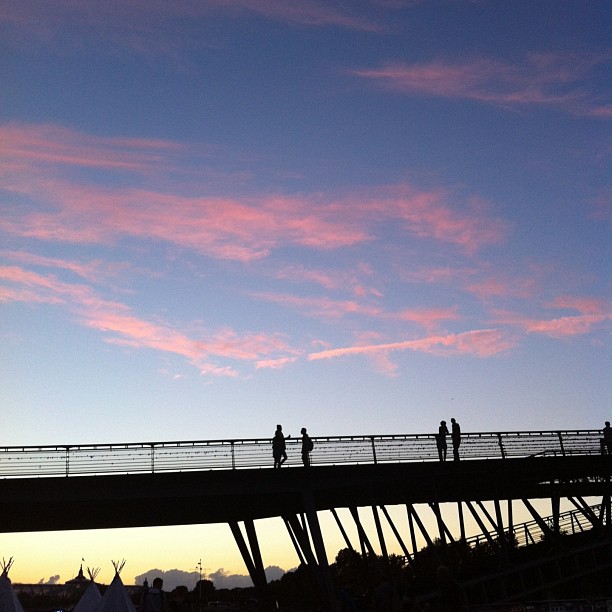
[(310, 444), (154, 602)]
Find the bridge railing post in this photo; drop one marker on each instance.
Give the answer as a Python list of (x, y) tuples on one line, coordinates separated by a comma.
[(67, 461), (233, 455), (373, 449), (152, 458), (501, 445), (561, 443)]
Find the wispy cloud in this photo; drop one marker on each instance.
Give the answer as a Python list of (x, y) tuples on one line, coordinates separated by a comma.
[(480, 343), (56, 145), (120, 326), (321, 306), (329, 309), (154, 29), (93, 271), (357, 281), (592, 314), (308, 12), (240, 228), (543, 79)]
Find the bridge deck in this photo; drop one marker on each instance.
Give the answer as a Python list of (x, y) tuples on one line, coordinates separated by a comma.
[(214, 496)]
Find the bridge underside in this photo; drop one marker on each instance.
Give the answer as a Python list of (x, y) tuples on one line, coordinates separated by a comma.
[(139, 500), (297, 494)]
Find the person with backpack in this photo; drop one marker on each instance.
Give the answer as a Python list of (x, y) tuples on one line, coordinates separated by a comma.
[(307, 446), (153, 599)]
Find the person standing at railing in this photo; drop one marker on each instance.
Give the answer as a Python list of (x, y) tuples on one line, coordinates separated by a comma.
[(441, 440), (606, 443), (279, 448), (456, 438)]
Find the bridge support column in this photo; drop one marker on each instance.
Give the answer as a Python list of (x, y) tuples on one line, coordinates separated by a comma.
[(538, 519), (586, 510), (381, 537), (319, 546), (442, 527), (252, 559), (461, 521), (342, 530), (397, 535), (478, 520), (366, 546), (320, 572)]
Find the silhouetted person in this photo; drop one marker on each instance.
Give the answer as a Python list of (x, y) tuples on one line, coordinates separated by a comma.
[(456, 438), (441, 440), (307, 446), (180, 602), (154, 599), (607, 439), (279, 448)]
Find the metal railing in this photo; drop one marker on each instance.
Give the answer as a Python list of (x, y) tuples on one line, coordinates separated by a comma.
[(155, 457), (530, 532)]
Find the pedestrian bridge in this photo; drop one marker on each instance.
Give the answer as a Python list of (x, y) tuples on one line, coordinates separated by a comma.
[(203, 455), (65, 487)]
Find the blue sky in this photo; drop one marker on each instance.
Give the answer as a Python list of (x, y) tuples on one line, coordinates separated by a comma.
[(356, 217)]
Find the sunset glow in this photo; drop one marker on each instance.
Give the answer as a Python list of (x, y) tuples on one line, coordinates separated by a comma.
[(359, 217)]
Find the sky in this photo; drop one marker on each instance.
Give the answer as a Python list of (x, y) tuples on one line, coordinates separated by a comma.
[(359, 217)]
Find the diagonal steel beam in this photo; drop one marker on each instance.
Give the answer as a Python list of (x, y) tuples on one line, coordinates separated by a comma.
[(397, 535)]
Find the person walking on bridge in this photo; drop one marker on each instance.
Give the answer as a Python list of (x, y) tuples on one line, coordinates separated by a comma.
[(307, 446), (279, 448)]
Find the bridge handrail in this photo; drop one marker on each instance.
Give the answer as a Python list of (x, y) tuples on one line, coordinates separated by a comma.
[(222, 454)]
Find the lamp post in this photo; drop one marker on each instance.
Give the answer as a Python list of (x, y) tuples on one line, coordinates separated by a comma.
[(199, 566)]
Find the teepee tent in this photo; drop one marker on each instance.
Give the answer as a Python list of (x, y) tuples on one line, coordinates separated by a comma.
[(91, 598), (8, 598), (116, 598)]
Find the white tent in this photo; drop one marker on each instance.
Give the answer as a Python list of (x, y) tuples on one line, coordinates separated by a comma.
[(91, 598), (8, 598), (116, 598)]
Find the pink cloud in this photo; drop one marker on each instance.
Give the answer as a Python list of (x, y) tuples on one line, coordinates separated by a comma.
[(238, 228), (541, 79), (481, 343), (305, 12), (51, 144), (563, 326), (594, 312), (275, 363), (93, 270), (120, 326), (584, 305), (219, 227), (502, 287), (323, 307), (329, 309), (300, 274), (352, 281), (428, 317), (152, 29), (430, 215)]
